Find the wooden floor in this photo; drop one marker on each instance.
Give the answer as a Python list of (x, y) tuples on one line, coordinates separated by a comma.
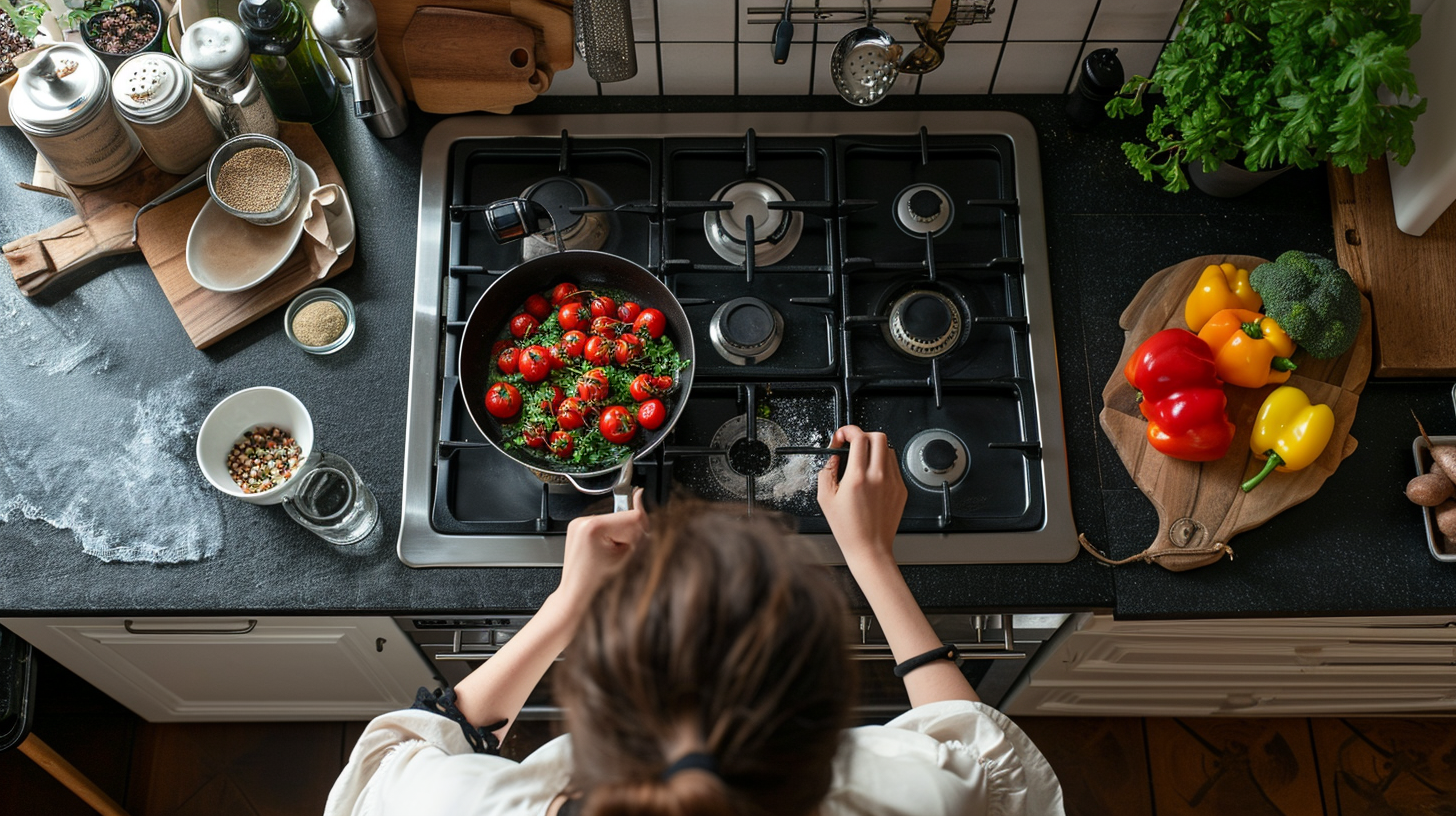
[(1122, 766)]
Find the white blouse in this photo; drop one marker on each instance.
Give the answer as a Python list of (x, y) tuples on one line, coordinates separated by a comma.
[(953, 758)]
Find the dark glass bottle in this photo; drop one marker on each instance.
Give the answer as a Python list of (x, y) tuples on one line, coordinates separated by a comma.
[(288, 60)]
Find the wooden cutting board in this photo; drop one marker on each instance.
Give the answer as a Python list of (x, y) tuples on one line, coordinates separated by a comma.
[(1200, 504), (460, 60), (1411, 281), (209, 316)]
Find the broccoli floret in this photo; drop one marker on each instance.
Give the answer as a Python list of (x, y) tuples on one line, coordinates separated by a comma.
[(1312, 299)]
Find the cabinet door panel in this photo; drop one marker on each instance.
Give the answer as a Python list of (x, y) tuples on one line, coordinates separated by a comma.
[(1248, 702)]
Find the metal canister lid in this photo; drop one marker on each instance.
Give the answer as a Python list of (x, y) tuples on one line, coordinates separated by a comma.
[(151, 87), (216, 49), (59, 91)]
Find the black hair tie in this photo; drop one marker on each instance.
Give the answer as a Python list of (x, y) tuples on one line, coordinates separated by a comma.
[(693, 761), (945, 651)]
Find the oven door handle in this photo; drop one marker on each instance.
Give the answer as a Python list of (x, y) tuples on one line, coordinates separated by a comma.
[(969, 651)]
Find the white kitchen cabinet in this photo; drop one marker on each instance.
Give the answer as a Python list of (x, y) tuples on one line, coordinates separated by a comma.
[(243, 668), (1262, 667)]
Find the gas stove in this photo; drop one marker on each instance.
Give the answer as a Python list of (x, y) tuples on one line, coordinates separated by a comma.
[(885, 269)]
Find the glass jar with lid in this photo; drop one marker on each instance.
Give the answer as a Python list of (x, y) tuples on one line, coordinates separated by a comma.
[(154, 93), (62, 103), (217, 52)]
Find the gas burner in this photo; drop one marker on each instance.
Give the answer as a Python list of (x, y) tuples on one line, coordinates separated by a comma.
[(746, 330), (924, 323), (922, 209), (749, 457), (775, 232), (934, 458), (558, 195)]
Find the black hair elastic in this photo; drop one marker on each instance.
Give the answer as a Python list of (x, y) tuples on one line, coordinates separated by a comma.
[(694, 761), (945, 651)]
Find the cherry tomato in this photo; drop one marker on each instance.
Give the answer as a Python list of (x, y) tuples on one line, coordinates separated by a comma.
[(534, 435), (628, 311), (603, 307), (503, 401), (534, 363), (573, 316), (644, 387), (569, 414), (593, 386), (499, 346), (663, 383), (651, 414), (537, 307), (562, 444), (551, 401), (605, 327), (562, 293), (598, 351), (627, 349), (573, 343), (652, 322), (559, 357), (617, 426), (523, 325), (507, 359)]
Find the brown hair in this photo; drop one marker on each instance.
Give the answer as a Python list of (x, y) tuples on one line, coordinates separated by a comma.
[(720, 636)]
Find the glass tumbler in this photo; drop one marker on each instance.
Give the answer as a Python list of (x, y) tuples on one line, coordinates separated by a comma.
[(332, 502)]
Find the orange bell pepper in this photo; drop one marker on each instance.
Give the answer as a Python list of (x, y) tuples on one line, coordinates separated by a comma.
[(1249, 349)]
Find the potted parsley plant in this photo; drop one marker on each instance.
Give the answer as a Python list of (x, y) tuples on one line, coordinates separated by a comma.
[(1258, 86)]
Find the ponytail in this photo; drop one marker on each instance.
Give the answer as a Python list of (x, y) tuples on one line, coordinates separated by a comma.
[(690, 793)]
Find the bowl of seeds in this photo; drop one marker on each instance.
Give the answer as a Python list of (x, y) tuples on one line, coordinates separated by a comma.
[(255, 178), (254, 443), (320, 321)]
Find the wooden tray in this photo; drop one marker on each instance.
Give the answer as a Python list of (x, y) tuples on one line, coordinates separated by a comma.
[(1200, 505), (209, 316)]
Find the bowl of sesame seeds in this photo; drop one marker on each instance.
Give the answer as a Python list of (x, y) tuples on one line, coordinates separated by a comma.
[(254, 443), (320, 321)]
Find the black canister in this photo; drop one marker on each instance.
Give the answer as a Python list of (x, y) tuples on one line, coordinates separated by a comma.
[(1098, 80)]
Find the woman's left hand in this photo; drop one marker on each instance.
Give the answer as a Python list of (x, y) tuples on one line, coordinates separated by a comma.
[(597, 547)]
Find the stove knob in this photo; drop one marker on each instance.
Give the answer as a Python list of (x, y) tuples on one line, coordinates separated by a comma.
[(925, 206), (938, 456)]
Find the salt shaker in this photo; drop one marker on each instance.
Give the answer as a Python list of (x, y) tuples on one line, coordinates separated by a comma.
[(154, 93), (217, 52), (1099, 78), (62, 103)]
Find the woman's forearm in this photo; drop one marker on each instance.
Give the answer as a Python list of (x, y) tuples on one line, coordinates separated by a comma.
[(497, 690)]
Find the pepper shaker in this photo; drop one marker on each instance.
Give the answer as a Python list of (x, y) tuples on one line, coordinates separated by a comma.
[(217, 52), (1098, 80), (351, 27)]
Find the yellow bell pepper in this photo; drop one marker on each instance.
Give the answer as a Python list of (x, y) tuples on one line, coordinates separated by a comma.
[(1249, 349), (1220, 287), (1290, 432)]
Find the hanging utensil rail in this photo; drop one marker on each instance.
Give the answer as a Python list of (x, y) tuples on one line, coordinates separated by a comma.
[(969, 12)]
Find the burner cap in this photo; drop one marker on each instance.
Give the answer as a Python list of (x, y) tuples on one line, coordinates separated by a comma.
[(934, 458), (746, 330), (925, 323), (750, 457), (775, 232), (923, 208), (558, 195)]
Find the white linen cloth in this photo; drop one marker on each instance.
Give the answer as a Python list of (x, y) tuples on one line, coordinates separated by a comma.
[(951, 758)]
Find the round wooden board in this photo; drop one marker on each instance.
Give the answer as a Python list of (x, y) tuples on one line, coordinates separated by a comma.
[(1203, 500)]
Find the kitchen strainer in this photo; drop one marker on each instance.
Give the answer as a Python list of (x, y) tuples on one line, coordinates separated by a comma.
[(865, 63)]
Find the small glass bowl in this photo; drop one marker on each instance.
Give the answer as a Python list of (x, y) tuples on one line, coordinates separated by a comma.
[(333, 296), (238, 144)]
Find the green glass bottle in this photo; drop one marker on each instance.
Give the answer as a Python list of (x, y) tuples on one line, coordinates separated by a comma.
[(289, 61)]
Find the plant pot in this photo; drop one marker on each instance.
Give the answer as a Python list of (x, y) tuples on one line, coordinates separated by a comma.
[(1229, 180), (90, 30)]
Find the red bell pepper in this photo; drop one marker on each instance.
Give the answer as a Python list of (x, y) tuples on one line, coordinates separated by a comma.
[(1181, 396)]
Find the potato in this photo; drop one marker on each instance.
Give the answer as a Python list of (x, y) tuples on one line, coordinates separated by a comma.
[(1445, 456), (1429, 490), (1446, 518)]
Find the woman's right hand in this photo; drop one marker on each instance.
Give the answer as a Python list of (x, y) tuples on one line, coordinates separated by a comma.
[(863, 507)]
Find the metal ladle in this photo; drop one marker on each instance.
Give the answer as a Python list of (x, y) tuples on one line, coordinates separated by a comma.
[(864, 64), (934, 34)]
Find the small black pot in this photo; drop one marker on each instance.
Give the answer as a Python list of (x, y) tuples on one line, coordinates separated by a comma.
[(111, 61)]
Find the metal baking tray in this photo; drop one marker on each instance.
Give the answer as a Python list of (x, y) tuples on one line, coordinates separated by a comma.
[(1423, 461)]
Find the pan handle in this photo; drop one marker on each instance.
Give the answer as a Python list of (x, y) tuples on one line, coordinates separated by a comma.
[(621, 490), (513, 218)]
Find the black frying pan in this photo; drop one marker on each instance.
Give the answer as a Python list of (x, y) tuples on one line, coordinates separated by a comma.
[(588, 270)]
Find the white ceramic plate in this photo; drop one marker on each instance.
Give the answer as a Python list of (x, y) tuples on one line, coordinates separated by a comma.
[(228, 254)]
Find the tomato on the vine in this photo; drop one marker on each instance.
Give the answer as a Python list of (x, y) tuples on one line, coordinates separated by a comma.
[(603, 306), (503, 401), (651, 414), (573, 316), (551, 401), (534, 435), (628, 348), (534, 363), (573, 343), (559, 357), (598, 351), (593, 386), (537, 307), (569, 414), (628, 311), (562, 443), (651, 322), (523, 325), (645, 386), (562, 293), (617, 426), (507, 359), (605, 327)]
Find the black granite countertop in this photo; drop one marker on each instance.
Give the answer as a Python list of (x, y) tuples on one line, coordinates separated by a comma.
[(1356, 547)]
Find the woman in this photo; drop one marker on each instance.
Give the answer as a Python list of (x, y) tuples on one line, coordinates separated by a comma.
[(707, 674)]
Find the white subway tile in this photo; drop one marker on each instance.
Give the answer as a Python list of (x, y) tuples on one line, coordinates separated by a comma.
[(1136, 58), (1051, 19), (967, 69), (992, 31), (645, 82), (1134, 19), (1036, 67), (644, 20), (696, 20), (757, 73), (574, 81), (698, 68)]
